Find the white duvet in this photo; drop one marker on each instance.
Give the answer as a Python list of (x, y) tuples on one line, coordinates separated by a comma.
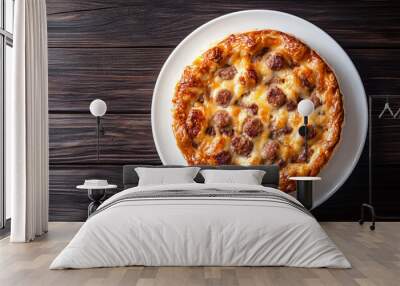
[(200, 231)]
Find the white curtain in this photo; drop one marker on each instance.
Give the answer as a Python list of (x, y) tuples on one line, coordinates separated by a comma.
[(27, 123)]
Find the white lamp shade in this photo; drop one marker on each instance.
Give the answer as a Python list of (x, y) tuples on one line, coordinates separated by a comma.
[(98, 107), (305, 107)]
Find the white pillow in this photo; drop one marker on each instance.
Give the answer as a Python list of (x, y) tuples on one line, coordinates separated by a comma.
[(248, 177), (164, 176)]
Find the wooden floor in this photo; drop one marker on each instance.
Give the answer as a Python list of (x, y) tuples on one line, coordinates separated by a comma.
[(375, 257)]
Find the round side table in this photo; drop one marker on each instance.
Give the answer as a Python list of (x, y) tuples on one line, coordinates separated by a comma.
[(304, 187), (96, 195)]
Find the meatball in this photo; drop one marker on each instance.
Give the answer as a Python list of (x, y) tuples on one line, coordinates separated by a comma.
[(270, 151), (302, 157), (282, 163), (200, 98), (287, 130), (291, 105), (194, 122), (227, 73), (223, 157), (276, 97), (276, 62), (311, 132), (275, 80), (307, 83), (315, 99), (249, 78), (215, 54), (222, 119), (210, 131), (223, 97), (228, 131), (252, 76), (242, 146), (253, 108), (253, 126), (276, 132)]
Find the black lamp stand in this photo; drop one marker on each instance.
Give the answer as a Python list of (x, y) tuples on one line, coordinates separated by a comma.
[(99, 130), (96, 197), (303, 132), (305, 192)]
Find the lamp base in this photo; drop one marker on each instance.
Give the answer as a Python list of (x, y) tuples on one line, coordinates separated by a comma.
[(302, 130), (304, 190)]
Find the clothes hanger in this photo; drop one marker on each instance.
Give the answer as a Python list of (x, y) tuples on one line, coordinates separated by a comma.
[(397, 113), (387, 107)]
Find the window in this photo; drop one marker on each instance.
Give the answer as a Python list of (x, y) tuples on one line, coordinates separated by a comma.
[(6, 64)]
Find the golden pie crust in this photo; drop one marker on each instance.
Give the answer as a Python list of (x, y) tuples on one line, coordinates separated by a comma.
[(237, 104)]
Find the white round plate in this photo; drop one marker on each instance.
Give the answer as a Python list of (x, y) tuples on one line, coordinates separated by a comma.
[(354, 131), (89, 187), (305, 178)]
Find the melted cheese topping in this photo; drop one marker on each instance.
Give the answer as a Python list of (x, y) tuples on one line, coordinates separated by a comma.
[(303, 74)]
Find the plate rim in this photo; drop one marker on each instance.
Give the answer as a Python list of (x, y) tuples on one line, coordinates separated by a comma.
[(365, 120)]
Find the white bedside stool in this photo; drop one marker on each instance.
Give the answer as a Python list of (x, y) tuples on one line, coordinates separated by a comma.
[(96, 195)]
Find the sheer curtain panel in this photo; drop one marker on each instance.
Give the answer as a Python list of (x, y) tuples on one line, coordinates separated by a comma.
[(27, 122)]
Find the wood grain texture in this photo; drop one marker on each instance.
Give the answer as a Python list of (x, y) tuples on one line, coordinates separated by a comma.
[(374, 257), (344, 205), (66, 202), (158, 23), (125, 78), (127, 139), (114, 50), (386, 133), (124, 91)]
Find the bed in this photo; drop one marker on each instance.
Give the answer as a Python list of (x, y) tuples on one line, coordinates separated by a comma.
[(198, 224)]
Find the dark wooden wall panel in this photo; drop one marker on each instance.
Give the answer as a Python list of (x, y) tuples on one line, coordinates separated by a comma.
[(125, 77), (345, 203), (127, 139), (114, 50), (68, 203), (124, 91), (108, 59), (160, 23)]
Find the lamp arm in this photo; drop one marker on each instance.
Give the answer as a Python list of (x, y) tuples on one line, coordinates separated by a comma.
[(305, 137), (102, 131), (98, 136), (99, 131)]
